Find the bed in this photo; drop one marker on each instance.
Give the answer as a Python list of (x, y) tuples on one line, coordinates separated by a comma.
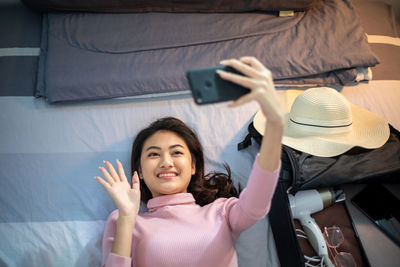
[(52, 210)]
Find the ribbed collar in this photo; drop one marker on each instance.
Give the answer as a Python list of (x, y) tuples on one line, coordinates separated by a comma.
[(170, 200)]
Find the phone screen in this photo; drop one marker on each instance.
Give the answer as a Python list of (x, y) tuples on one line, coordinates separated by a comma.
[(382, 207), (207, 87)]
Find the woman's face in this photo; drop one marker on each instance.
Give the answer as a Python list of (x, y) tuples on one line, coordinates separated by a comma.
[(166, 165)]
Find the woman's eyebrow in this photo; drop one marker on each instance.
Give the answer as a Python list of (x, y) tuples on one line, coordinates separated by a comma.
[(153, 147), (158, 148), (174, 146)]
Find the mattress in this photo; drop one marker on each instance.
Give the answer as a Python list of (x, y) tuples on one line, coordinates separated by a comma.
[(53, 212)]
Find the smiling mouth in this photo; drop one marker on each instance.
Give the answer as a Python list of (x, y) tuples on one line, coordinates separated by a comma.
[(167, 176)]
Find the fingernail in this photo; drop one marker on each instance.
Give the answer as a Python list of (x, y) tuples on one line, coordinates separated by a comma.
[(218, 71), (223, 62), (100, 167), (118, 160), (104, 161), (95, 177)]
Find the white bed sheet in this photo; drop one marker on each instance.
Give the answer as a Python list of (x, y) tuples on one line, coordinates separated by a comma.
[(53, 211), (381, 97)]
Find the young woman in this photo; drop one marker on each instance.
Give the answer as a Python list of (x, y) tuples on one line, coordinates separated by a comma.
[(191, 220)]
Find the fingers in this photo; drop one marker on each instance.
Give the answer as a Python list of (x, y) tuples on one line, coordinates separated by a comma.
[(257, 78), (112, 171), (102, 182), (135, 181), (111, 175), (249, 66), (107, 176), (135, 177), (255, 75), (254, 62), (121, 171), (238, 79), (244, 68)]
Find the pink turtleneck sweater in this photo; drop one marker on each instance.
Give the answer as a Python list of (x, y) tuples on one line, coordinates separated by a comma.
[(177, 232)]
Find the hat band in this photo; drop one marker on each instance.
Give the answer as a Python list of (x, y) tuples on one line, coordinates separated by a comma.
[(323, 126), (321, 129)]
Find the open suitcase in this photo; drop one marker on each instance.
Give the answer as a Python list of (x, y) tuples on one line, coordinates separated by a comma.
[(301, 171)]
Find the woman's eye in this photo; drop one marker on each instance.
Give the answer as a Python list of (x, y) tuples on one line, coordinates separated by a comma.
[(177, 153), (153, 154)]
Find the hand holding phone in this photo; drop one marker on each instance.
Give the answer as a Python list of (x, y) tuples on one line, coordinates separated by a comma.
[(258, 86), (207, 86), (243, 80)]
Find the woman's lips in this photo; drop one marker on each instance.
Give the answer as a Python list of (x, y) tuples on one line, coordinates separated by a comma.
[(167, 175)]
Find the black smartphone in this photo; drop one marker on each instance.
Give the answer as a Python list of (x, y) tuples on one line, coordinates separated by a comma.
[(382, 207), (207, 87)]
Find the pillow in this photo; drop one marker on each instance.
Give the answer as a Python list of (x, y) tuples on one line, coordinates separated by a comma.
[(169, 5)]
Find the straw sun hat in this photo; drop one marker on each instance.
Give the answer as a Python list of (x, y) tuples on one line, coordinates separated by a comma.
[(322, 122)]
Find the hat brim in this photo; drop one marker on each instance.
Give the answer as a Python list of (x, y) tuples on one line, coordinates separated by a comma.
[(368, 131)]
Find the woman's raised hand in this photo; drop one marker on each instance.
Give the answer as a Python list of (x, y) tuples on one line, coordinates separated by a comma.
[(259, 80), (125, 197)]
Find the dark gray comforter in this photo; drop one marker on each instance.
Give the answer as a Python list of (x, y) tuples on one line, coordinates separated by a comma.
[(87, 56)]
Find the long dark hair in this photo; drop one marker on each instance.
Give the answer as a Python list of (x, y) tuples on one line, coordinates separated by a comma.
[(205, 188)]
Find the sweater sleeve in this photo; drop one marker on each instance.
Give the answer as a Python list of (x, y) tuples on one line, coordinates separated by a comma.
[(110, 259), (254, 201)]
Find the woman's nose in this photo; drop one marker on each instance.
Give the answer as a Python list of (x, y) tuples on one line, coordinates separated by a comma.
[(166, 161)]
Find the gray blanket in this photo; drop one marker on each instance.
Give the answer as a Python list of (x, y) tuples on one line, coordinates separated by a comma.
[(87, 56)]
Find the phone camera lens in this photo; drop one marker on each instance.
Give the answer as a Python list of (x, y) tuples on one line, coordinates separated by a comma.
[(208, 84), (199, 97)]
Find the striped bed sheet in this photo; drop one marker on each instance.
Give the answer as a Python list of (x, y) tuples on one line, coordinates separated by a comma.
[(53, 212)]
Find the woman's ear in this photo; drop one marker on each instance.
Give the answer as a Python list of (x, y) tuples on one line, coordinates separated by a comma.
[(140, 173), (193, 167)]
